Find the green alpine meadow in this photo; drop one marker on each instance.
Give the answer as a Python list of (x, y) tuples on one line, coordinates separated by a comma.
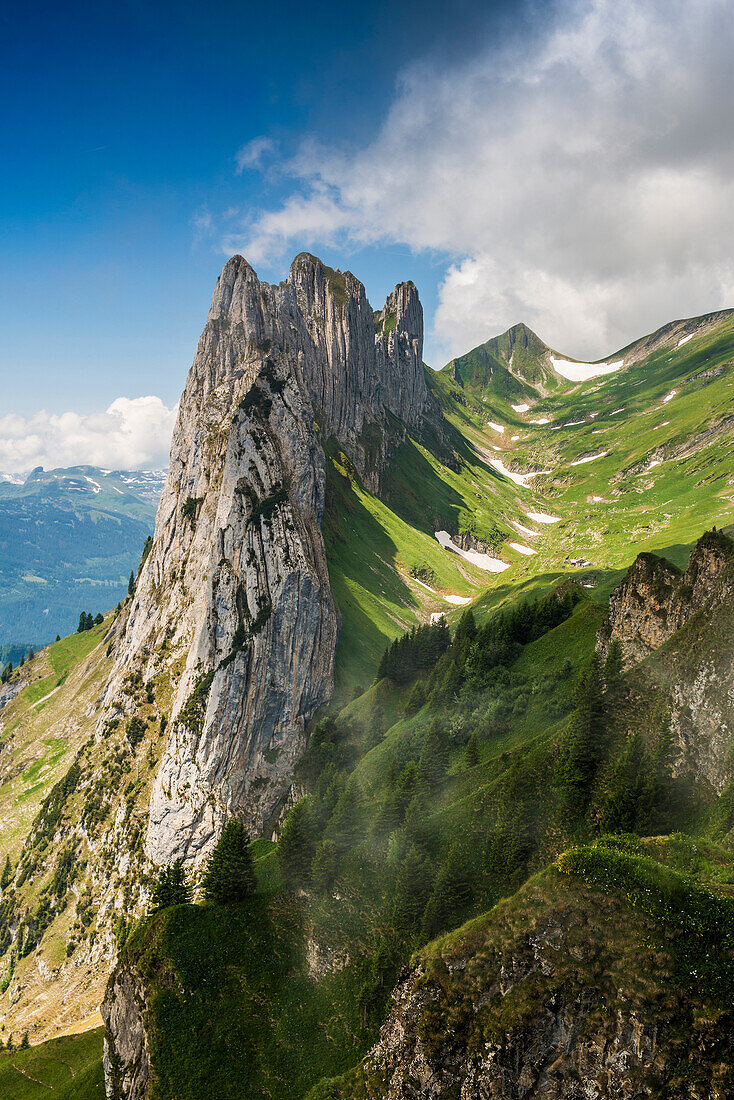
[(367, 550), (403, 769)]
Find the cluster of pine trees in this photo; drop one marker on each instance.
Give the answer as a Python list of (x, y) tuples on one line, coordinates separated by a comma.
[(87, 621), (229, 877), (414, 652), (7, 672)]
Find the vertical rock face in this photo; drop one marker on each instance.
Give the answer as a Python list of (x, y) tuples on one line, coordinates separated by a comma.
[(233, 610), (655, 599), (693, 612), (126, 1056)]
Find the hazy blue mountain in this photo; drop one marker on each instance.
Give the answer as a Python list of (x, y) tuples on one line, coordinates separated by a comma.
[(68, 540)]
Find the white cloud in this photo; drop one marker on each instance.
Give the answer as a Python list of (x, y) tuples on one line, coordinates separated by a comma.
[(251, 155), (582, 181), (132, 434)]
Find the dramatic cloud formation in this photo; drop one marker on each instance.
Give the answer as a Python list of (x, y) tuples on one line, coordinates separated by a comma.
[(581, 181), (130, 435)]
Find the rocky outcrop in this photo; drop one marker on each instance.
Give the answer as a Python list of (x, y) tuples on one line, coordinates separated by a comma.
[(547, 1000), (232, 614), (655, 599), (682, 626), (126, 1055)]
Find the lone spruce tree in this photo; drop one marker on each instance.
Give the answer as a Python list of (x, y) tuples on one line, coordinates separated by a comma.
[(171, 887), (229, 875)]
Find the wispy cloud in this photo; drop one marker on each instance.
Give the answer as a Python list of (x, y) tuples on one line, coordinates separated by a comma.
[(253, 153), (583, 183), (132, 434)]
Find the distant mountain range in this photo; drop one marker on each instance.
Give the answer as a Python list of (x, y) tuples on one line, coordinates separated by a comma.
[(68, 541)]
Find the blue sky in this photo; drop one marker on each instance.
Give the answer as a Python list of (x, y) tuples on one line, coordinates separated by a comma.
[(125, 124), (568, 164)]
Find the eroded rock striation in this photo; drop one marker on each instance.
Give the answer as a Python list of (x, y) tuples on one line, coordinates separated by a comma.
[(680, 628), (233, 613), (551, 996), (655, 599)]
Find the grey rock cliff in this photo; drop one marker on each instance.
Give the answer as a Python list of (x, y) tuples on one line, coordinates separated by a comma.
[(681, 625), (655, 599), (126, 1056), (232, 608), (548, 1006)]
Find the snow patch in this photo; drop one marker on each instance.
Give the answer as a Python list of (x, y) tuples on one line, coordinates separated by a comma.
[(527, 550), (518, 479), (482, 561), (520, 408), (669, 397), (543, 420), (524, 530), (495, 427), (581, 372), (458, 601), (514, 438), (684, 339), (541, 517), (588, 458)]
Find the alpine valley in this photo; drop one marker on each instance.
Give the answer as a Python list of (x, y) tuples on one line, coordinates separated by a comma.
[(457, 649)]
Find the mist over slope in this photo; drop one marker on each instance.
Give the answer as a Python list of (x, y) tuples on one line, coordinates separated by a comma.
[(537, 546)]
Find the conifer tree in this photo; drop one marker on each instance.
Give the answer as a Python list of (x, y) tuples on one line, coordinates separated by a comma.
[(449, 896), (583, 743), (472, 751), (7, 875), (434, 758), (412, 887), (171, 887), (131, 584), (613, 678), (296, 844), (230, 876)]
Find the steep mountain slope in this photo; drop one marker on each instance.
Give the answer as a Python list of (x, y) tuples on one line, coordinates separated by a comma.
[(599, 972), (68, 540), (572, 988), (326, 493)]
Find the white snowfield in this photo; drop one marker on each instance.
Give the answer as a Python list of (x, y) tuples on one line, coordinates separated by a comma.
[(514, 438), (520, 408), (669, 397), (684, 339), (541, 517), (588, 458), (458, 600), (495, 427), (542, 420), (482, 561), (616, 411), (655, 462), (518, 479), (663, 425), (527, 550), (581, 372), (524, 530)]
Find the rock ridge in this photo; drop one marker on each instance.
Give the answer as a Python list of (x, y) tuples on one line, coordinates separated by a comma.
[(232, 618)]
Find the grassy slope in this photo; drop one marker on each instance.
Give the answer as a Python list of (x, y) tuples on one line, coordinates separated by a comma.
[(69, 1068), (41, 731), (629, 948), (372, 545), (42, 728)]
